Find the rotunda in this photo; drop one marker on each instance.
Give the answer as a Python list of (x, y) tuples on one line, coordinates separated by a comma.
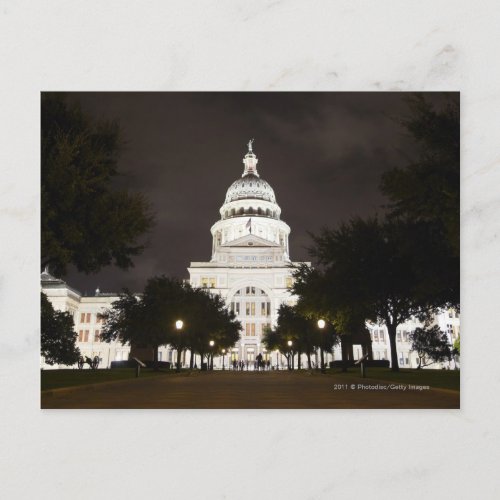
[(250, 207)]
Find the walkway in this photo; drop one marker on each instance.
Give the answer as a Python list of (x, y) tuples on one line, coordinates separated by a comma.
[(248, 390)]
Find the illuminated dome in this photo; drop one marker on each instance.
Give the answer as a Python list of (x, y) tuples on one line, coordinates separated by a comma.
[(250, 186), (250, 208)]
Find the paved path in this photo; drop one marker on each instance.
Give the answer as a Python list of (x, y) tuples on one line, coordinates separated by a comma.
[(247, 390)]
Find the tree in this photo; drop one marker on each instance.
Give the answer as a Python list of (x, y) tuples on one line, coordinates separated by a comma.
[(374, 268), (58, 337), (303, 331), (86, 220), (149, 320), (208, 319), (427, 190), (124, 321), (408, 264), (431, 345), (165, 300)]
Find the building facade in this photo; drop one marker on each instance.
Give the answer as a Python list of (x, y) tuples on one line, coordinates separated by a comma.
[(250, 268), (250, 259)]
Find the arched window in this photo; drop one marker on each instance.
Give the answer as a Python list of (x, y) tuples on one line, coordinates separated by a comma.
[(241, 211), (259, 211), (250, 210), (233, 211), (268, 212)]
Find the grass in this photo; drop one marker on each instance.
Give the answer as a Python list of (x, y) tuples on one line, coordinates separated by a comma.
[(440, 379), (55, 379)]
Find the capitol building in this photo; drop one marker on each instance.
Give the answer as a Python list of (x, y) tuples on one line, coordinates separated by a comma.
[(249, 267), (250, 261)]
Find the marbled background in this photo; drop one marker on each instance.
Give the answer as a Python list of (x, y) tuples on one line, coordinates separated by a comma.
[(243, 45)]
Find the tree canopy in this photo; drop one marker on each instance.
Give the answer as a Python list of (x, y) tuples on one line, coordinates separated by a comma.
[(303, 331), (427, 189), (86, 220), (431, 345), (58, 338), (405, 263), (150, 320), (373, 268)]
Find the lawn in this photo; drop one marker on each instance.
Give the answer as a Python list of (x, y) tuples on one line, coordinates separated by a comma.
[(441, 379), (55, 379)]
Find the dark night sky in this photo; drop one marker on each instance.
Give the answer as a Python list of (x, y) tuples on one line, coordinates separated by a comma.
[(323, 153)]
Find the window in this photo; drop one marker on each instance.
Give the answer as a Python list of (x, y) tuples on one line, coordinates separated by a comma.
[(250, 329), (398, 336), (208, 282), (80, 336), (86, 336), (160, 353), (97, 336), (99, 319), (288, 282), (250, 308), (262, 308), (237, 309), (85, 317), (375, 335), (382, 338)]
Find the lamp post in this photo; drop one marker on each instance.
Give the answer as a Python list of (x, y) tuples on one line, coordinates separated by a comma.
[(211, 343), (290, 359), (178, 325), (223, 355), (321, 326)]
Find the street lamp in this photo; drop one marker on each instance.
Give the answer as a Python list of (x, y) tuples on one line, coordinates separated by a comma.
[(223, 355), (211, 343), (290, 359), (178, 325), (321, 325)]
